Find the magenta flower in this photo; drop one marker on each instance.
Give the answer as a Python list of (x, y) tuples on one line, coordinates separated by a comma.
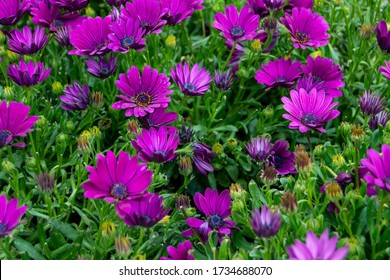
[(116, 179), (275, 5), (323, 70), (315, 248), (383, 36), (29, 74), (144, 211), (127, 34), (379, 119), (75, 97), (102, 68), (216, 208), (258, 7), (309, 110), (308, 83), (177, 11), (264, 222), (181, 253), (142, 95), (12, 10), (307, 29), (259, 149), (71, 5), (14, 122), (385, 70), (10, 215), (62, 36), (158, 118), (278, 73), (26, 42), (237, 26), (371, 103), (223, 80), (202, 156), (157, 145), (299, 4), (116, 2), (378, 168), (91, 37), (149, 13), (281, 158), (191, 81)]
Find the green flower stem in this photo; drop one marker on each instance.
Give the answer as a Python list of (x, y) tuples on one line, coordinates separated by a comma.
[(140, 241), (5, 246), (229, 56), (356, 159), (309, 142)]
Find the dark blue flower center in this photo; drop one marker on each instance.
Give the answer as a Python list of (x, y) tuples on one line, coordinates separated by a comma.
[(278, 161), (127, 42), (301, 37), (189, 87), (159, 155), (57, 23), (143, 99), (145, 24), (104, 71), (4, 136), (236, 32), (100, 46), (280, 80), (118, 191), (316, 79), (215, 221), (3, 229), (309, 119), (144, 220)]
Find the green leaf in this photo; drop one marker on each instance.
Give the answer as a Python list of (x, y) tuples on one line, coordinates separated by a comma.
[(66, 229), (25, 246)]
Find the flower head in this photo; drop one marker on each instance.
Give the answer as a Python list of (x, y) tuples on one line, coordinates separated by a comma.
[(75, 97), (371, 103), (258, 7), (127, 34), (278, 73), (144, 211), (158, 118), (14, 122), (12, 10), (191, 81), (202, 158), (10, 215), (237, 26), (62, 36), (157, 145), (379, 119), (383, 36), (142, 95), (309, 110), (26, 42), (29, 74), (315, 248), (281, 158), (259, 149), (274, 4), (264, 222), (216, 208), (71, 5), (223, 80), (177, 11), (91, 37), (385, 70), (378, 168), (117, 178), (308, 83), (102, 68), (181, 253), (307, 29)]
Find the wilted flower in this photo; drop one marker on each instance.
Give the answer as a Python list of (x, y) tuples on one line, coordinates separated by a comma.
[(10, 215), (264, 222), (357, 133), (181, 253)]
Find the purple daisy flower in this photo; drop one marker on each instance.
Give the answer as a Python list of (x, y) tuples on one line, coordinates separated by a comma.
[(278, 73), (185, 134), (149, 13), (371, 103), (191, 81), (237, 26), (158, 118), (75, 97), (299, 4), (116, 3), (27, 75), (385, 70), (102, 68), (71, 5), (127, 34), (157, 145), (315, 248), (281, 158), (62, 36), (142, 95), (12, 10), (265, 223), (144, 211), (10, 215), (117, 178), (14, 122), (378, 168), (26, 42), (181, 253), (275, 5), (325, 71), (91, 37), (202, 158), (379, 119), (308, 83), (223, 80), (307, 29), (177, 11), (216, 208), (309, 110), (258, 7), (383, 36), (259, 149)]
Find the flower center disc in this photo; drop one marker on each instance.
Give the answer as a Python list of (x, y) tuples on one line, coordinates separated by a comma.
[(127, 42), (309, 119), (301, 37), (118, 191), (237, 32), (215, 221), (3, 229), (5, 137), (278, 161), (143, 99), (189, 87), (159, 155), (103, 71), (145, 24)]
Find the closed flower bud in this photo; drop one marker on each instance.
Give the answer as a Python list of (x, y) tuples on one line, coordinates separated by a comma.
[(357, 133), (97, 100), (31, 162), (345, 128), (171, 41), (41, 122), (62, 139), (217, 148), (318, 3), (313, 225), (108, 228), (318, 150), (268, 112), (90, 12), (269, 175), (8, 93), (316, 54), (270, 24), (132, 127), (69, 125), (182, 202), (105, 123), (8, 166), (256, 45), (45, 182), (236, 192), (302, 158), (366, 30), (338, 160), (3, 51), (122, 245), (288, 202), (185, 165), (12, 56), (238, 206), (333, 191), (190, 212), (231, 143), (83, 143), (356, 247), (57, 87), (165, 220), (95, 132)]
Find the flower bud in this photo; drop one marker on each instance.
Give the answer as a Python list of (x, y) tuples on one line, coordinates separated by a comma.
[(57, 87), (333, 192), (256, 45), (8, 166), (122, 245), (69, 126), (185, 165), (8, 93), (231, 143), (366, 30), (288, 202), (357, 133), (97, 100), (182, 202), (45, 182), (338, 160), (268, 112), (12, 56), (236, 192), (217, 148), (171, 41), (105, 123), (90, 12), (132, 127)]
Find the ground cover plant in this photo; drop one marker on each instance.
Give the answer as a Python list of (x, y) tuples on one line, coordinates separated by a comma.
[(191, 129)]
